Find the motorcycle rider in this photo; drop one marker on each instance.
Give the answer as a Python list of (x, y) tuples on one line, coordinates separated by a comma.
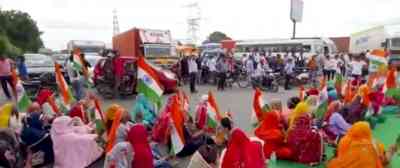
[(289, 68)]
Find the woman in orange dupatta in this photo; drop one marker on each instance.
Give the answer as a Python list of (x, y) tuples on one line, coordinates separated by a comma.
[(271, 133), (357, 149)]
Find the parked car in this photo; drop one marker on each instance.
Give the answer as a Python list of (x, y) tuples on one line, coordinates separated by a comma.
[(41, 72)]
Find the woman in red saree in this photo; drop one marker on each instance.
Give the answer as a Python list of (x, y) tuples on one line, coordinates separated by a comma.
[(305, 142), (271, 133), (143, 157), (240, 151)]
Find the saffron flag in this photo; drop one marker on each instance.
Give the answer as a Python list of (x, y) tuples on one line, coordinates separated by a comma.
[(63, 87), (258, 103), (148, 82), (213, 113), (112, 134), (177, 120)]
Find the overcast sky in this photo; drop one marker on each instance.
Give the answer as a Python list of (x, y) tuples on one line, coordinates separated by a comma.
[(64, 20)]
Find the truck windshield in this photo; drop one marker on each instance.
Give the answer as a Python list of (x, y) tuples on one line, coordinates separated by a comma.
[(157, 51)]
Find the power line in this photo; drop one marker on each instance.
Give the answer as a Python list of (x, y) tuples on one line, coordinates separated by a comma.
[(193, 22), (115, 23)]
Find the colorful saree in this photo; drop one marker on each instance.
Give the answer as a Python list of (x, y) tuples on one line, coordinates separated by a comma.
[(357, 149)]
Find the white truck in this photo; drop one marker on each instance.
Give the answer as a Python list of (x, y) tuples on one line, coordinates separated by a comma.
[(381, 37), (86, 46)]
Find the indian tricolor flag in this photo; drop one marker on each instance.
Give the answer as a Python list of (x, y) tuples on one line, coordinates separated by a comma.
[(22, 98), (213, 113), (63, 87), (177, 120), (390, 85), (97, 117), (323, 100), (148, 82), (258, 103), (377, 60)]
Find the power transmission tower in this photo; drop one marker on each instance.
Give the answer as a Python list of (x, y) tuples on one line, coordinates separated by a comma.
[(115, 23), (193, 22)]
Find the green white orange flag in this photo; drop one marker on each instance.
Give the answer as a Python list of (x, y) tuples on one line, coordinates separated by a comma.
[(377, 60), (97, 117), (258, 104), (323, 100), (22, 99), (63, 87), (213, 113), (177, 120), (339, 84), (148, 82)]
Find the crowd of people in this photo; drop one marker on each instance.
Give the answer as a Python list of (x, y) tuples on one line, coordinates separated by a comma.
[(340, 112), (255, 64)]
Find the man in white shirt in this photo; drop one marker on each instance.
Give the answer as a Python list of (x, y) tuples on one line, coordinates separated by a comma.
[(356, 68), (289, 68), (193, 69)]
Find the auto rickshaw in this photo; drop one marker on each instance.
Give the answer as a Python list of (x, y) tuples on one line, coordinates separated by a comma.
[(105, 79)]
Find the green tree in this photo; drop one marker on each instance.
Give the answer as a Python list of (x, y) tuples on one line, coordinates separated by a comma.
[(18, 33), (216, 37)]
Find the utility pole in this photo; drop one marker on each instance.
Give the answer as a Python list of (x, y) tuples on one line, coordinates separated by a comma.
[(115, 23), (193, 22), (294, 29)]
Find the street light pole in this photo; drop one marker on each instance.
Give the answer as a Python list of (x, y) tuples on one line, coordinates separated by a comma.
[(294, 29)]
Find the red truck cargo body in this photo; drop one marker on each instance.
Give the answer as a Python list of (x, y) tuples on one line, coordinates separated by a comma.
[(128, 43)]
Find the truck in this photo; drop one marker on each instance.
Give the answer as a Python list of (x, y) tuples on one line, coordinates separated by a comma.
[(386, 37), (155, 45), (86, 46)]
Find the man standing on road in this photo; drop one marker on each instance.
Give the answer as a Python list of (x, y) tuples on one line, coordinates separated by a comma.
[(222, 68), (193, 69), (5, 74), (288, 72)]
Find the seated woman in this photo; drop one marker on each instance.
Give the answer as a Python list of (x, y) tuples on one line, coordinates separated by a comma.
[(337, 125), (357, 111), (240, 151), (9, 117), (147, 109), (133, 153), (291, 104), (305, 142), (9, 149), (74, 144), (194, 139), (273, 136), (36, 139), (358, 149)]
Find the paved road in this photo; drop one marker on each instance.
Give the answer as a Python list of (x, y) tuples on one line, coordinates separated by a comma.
[(237, 100)]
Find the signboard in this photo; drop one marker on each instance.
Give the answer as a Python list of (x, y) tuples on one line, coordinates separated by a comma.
[(296, 10), (155, 36)]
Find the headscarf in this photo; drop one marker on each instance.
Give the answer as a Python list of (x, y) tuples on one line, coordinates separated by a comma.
[(301, 109), (357, 149), (137, 136), (73, 148), (110, 115), (143, 105), (364, 91), (5, 115), (43, 95), (112, 134), (234, 156), (332, 108), (32, 130), (201, 112)]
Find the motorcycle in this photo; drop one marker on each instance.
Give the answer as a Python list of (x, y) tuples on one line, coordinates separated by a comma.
[(266, 82), (104, 78)]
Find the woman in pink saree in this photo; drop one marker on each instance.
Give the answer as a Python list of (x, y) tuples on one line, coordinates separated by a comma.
[(74, 146)]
